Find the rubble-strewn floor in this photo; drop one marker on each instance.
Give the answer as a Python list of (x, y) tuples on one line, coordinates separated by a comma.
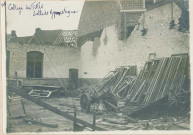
[(108, 120)]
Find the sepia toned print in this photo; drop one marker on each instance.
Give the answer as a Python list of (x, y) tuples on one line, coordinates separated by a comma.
[(118, 65)]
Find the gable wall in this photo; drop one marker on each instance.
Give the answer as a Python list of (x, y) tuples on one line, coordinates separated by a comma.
[(135, 50)]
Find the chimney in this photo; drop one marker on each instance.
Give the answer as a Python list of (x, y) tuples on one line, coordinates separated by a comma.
[(13, 34), (38, 30)]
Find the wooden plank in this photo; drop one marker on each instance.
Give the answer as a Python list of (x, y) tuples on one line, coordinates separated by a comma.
[(181, 76), (54, 109), (148, 79), (43, 86), (94, 121), (74, 122), (105, 79), (115, 121), (160, 81), (136, 84), (170, 75), (121, 74), (121, 80), (156, 89), (125, 86), (23, 107), (109, 82), (175, 82), (138, 91), (151, 81), (164, 79), (154, 80), (41, 123)]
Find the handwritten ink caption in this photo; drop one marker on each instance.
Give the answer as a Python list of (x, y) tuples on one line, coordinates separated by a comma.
[(38, 9)]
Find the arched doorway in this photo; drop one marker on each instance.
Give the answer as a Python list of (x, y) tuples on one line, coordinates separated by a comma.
[(34, 64)]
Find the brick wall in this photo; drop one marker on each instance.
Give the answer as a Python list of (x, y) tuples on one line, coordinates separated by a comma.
[(135, 50), (56, 63)]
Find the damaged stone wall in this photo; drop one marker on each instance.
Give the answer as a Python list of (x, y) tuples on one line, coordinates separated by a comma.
[(56, 63), (159, 39)]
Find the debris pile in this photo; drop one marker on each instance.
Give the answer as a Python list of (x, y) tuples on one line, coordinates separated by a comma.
[(117, 81), (111, 87), (156, 99), (160, 81), (158, 78)]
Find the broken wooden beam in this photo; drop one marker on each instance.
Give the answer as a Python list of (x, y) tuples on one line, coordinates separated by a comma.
[(74, 124), (111, 105), (115, 121), (94, 121), (23, 107), (54, 109), (117, 109), (67, 105)]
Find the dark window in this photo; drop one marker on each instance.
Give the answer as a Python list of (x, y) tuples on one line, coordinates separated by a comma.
[(73, 78), (34, 64), (149, 3), (126, 29)]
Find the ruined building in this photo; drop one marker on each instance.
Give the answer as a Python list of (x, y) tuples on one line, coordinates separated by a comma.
[(110, 34)]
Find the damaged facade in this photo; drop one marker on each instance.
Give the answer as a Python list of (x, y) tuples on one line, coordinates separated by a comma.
[(135, 48), (129, 57), (105, 39)]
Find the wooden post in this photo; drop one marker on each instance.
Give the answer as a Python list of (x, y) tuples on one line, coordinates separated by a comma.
[(23, 106), (74, 124), (125, 25), (94, 121), (143, 4), (143, 20), (9, 112)]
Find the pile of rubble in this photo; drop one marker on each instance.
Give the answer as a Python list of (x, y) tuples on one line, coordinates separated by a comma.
[(111, 87), (157, 98), (160, 77), (162, 81)]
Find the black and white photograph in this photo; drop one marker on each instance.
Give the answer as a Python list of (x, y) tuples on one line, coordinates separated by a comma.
[(103, 66)]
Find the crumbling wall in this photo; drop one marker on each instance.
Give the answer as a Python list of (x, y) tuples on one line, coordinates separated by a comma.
[(56, 63), (159, 39)]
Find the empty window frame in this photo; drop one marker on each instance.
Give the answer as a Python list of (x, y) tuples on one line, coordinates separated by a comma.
[(34, 64)]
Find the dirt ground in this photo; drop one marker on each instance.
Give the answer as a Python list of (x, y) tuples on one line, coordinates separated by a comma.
[(108, 120)]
